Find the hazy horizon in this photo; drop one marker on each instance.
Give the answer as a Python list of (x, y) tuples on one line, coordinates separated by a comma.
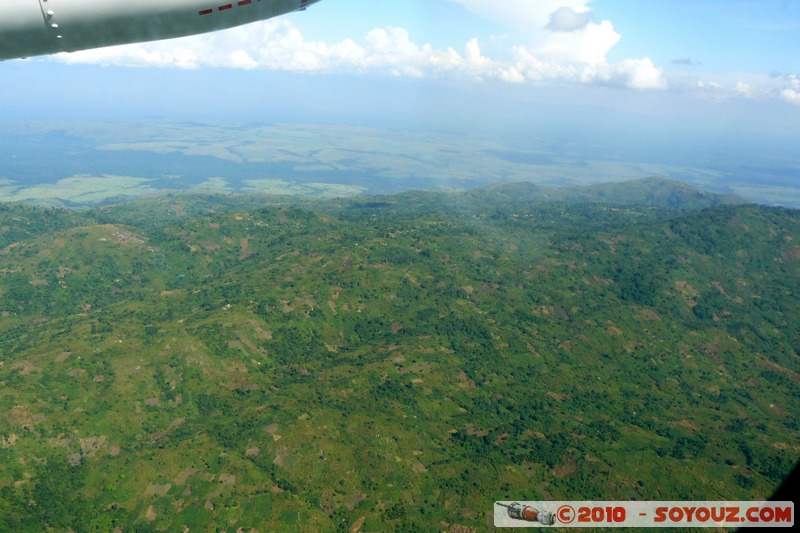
[(707, 93)]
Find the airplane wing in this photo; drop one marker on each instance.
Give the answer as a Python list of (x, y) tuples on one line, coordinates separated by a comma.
[(38, 27)]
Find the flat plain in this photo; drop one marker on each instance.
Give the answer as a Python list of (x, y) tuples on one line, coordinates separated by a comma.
[(89, 163)]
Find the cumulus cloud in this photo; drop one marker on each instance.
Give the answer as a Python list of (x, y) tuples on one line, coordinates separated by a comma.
[(557, 30), (279, 45), (521, 14), (590, 44), (756, 87), (638, 74), (567, 19), (630, 73), (543, 42), (791, 94), (573, 57), (564, 42), (745, 89)]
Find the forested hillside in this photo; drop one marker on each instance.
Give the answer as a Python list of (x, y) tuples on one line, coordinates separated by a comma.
[(398, 362)]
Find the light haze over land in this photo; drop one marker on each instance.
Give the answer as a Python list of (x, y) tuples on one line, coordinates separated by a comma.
[(554, 318), (577, 91)]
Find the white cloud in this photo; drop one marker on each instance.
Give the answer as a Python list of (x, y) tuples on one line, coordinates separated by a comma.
[(637, 74), (788, 89), (543, 41), (576, 57), (567, 19), (279, 45), (528, 67), (511, 75), (631, 73), (755, 87), (521, 14), (563, 42), (745, 89), (552, 30), (706, 89), (791, 96), (590, 44)]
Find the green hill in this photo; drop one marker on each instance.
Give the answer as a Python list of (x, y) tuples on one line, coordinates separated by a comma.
[(392, 363), (653, 192)]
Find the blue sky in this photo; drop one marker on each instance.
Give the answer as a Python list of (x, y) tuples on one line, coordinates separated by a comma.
[(710, 82), (734, 62), (709, 49), (757, 37)]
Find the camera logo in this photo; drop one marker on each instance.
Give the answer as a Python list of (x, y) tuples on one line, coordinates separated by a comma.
[(517, 511)]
